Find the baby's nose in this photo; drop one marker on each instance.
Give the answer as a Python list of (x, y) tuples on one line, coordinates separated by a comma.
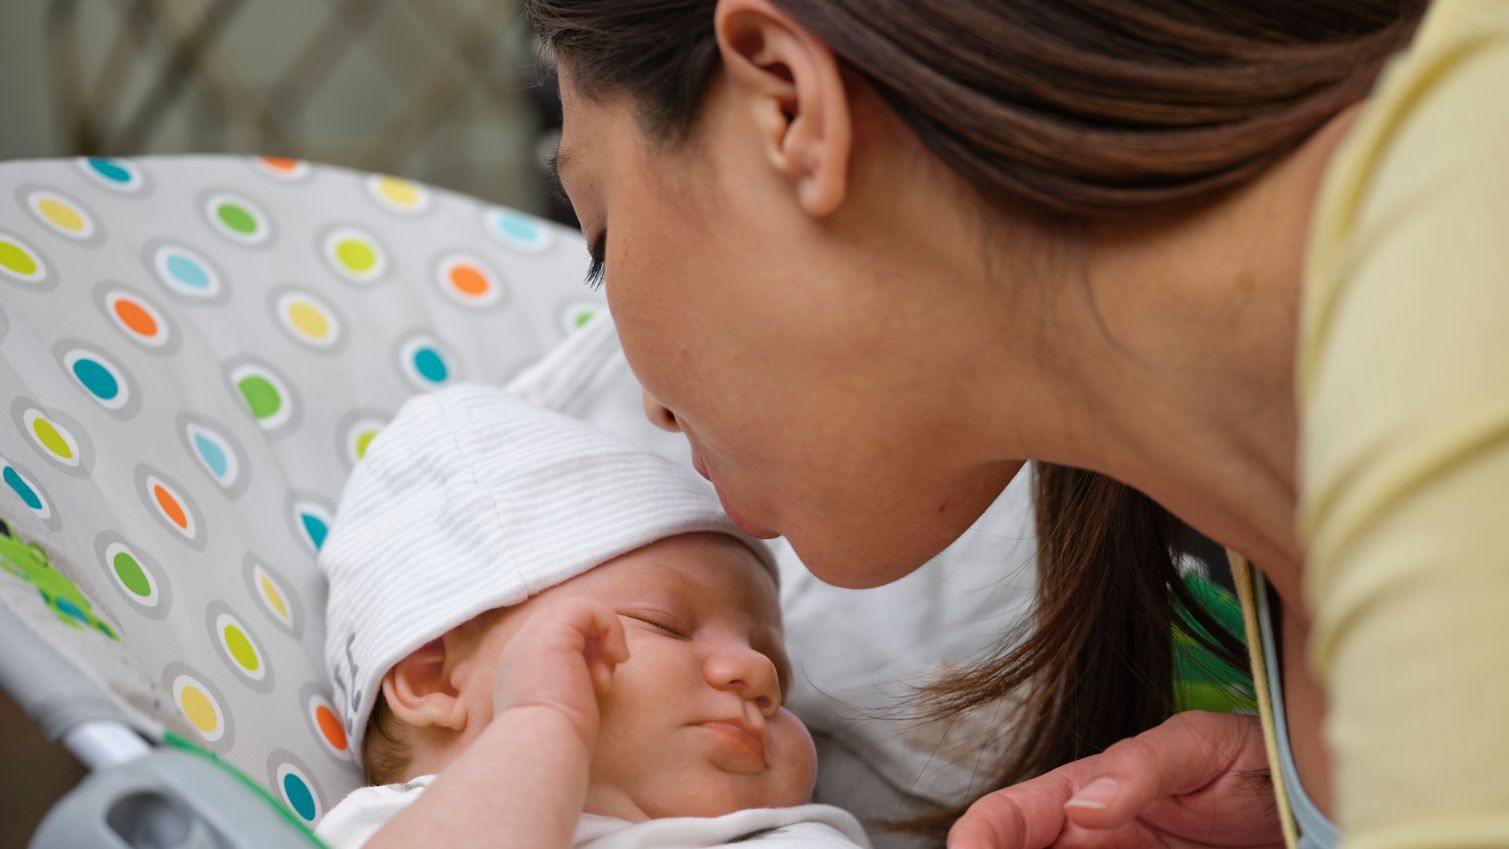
[(750, 674)]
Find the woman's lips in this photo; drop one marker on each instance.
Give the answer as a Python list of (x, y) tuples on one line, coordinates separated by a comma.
[(758, 533)]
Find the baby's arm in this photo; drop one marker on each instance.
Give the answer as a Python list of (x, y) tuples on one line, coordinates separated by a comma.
[(524, 780)]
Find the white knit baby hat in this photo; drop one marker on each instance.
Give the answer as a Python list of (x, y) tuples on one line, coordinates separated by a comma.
[(472, 499)]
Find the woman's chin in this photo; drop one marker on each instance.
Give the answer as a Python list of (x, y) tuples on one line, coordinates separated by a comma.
[(860, 566)]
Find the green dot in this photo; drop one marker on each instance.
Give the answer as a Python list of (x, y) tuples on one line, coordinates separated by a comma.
[(583, 317), (51, 439), (241, 648), (16, 259), (131, 574), (357, 256), (261, 396), (238, 218)]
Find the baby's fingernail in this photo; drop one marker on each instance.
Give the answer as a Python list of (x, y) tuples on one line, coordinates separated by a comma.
[(1097, 795)]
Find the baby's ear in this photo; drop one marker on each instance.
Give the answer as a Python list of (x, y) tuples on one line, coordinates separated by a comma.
[(420, 691)]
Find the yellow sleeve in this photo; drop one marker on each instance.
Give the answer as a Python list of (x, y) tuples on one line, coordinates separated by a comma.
[(1404, 415)]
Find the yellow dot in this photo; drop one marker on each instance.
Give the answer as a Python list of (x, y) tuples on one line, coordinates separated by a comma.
[(241, 648), (16, 259), (362, 442), (274, 598), (51, 439), (309, 319), (198, 708), (61, 214), (398, 192), (357, 256)]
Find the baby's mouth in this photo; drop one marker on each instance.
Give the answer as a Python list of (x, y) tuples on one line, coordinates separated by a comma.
[(744, 746)]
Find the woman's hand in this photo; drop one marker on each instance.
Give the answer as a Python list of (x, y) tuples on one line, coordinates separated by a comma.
[(1198, 780), (562, 660)]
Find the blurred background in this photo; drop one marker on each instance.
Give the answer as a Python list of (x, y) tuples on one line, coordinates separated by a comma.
[(447, 92)]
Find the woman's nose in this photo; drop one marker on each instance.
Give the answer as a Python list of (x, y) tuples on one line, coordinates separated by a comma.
[(659, 415), (750, 674)]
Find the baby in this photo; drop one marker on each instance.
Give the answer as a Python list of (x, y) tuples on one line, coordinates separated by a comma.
[(542, 637)]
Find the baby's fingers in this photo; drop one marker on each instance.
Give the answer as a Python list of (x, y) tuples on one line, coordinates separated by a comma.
[(605, 650)]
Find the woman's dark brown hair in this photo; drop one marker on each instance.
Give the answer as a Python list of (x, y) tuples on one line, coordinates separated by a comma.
[(1075, 111)]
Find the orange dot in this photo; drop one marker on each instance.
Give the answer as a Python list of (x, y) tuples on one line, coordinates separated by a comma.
[(280, 163), (330, 727), (170, 506), (135, 317), (469, 280)]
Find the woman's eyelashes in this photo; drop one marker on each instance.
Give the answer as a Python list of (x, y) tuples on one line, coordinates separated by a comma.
[(596, 268)]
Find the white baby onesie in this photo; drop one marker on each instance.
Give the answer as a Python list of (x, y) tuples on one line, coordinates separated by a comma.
[(358, 816)]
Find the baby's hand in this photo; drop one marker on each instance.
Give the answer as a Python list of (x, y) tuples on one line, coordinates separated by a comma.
[(562, 659)]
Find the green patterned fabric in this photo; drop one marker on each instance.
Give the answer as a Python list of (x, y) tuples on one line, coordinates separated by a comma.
[(1203, 680)]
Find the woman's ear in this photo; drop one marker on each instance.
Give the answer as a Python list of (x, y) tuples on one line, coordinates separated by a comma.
[(421, 690), (792, 85)]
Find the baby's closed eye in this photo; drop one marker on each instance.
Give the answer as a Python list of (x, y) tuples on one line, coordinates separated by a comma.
[(659, 621)]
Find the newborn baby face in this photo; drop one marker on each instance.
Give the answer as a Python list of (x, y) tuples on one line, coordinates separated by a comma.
[(693, 724)]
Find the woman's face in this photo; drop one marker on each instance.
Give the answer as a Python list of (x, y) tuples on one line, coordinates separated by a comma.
[(825, 369)]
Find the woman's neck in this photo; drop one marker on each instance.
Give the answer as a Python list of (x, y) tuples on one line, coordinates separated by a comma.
[(1184, 361)]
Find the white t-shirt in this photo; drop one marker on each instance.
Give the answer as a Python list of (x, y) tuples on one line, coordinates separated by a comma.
[(358, 816)]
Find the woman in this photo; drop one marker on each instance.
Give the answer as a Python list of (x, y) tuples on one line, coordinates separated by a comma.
[(869, 255)]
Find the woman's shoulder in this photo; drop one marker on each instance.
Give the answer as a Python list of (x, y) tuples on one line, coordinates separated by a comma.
[(1436, 112), (1405, 260)]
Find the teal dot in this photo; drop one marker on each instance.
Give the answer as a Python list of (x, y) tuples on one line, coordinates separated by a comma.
[(299, 796), (519, 228), (188, 272), (67, 607), (315, 527), (28, 495), (110, 169), (430, 365), (212, 454), (96, 378)]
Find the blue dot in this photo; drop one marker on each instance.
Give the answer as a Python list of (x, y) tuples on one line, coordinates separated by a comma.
[(188, 272), (315, 528), (22, 488), (213, 455), (110, 169), (299, 796), (430, 365), (96, 378)]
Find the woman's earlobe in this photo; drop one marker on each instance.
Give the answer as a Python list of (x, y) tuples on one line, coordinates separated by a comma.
[(420, 692), (796, 92)]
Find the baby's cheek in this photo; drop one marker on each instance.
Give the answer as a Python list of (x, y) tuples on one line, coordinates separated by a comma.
[(798, 759)]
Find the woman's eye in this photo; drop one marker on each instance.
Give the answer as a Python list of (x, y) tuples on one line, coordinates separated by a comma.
[(597, 267)]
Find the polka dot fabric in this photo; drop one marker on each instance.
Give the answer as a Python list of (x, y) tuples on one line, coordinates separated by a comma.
[(194, 351)]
